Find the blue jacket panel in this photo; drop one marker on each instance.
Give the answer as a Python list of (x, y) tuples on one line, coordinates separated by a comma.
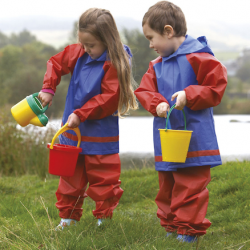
[(85, 84)]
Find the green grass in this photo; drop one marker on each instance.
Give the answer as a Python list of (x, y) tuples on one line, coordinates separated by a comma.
[(28, 214)]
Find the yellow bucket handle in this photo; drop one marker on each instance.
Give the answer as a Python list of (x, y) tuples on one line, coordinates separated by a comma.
[(169, 112), (63, 129)]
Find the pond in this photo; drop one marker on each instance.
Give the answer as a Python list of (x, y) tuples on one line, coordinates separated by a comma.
[(136, 136)]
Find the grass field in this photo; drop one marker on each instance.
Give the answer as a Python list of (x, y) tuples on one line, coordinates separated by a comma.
[(28, 215)]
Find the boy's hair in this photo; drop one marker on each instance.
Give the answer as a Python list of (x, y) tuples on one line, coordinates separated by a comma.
[(101, 24), (166, 13)]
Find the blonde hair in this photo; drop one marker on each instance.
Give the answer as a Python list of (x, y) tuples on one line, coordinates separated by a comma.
[(101, 24)]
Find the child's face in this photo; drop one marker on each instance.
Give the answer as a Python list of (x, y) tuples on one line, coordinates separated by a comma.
[(94, 47), (164, 45)]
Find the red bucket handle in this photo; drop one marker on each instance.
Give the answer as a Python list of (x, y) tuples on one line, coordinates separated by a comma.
[(63, 129)]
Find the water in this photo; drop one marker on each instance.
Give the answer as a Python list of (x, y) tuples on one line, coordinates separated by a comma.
[(136, 136), (233, 135)]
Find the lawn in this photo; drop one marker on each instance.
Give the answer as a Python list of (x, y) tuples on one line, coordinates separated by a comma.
[(28, 215)]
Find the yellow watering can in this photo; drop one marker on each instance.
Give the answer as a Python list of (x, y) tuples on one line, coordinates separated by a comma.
[(30, 111), (175, 143)]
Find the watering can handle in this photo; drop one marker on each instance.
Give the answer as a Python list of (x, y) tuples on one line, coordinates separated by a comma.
[(46, 107), (169, 112), (63, 129)]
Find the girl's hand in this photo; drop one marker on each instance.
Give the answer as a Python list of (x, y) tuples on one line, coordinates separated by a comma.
[(46, 98), (73, 121), (162, 109), (181, 99)]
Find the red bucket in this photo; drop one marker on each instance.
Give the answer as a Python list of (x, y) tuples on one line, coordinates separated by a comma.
[(63, 158)]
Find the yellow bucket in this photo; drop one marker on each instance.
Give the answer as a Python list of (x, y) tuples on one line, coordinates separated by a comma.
[(175, 143)]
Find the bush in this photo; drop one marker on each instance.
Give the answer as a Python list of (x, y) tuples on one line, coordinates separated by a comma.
[(21, 151)]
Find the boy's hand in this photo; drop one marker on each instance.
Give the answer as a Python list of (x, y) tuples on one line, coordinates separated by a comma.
[(181, 99), (73, 121), (162, 109), (46, 98)]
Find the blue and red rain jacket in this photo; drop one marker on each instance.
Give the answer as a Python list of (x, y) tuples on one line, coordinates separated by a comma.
[(194, 69), (93, 95)]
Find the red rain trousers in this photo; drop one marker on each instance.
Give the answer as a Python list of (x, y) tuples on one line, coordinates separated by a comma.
[(183, 199), (102, 172)]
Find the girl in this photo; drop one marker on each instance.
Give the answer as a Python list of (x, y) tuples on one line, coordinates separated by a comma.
[(100, 91)]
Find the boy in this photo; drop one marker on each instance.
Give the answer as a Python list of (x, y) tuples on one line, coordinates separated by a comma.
[(187, 71)]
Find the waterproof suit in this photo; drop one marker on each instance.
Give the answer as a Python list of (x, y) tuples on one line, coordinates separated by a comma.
[(93, 95), (194, 69)]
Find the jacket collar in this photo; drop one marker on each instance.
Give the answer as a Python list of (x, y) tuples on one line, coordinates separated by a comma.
[(101, 58), (191, 45)]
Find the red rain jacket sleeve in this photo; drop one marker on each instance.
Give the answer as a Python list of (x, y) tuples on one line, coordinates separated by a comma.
[(61, 64), (212, 81), (106, 103), (147, 93)]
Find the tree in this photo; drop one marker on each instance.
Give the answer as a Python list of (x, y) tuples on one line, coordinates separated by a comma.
[(243, 72), (10, 61), (22, 38), (243, 62), (4, 40), (142, 54), (37, 54)]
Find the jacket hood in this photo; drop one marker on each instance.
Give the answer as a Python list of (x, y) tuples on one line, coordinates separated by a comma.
[(191, 45)]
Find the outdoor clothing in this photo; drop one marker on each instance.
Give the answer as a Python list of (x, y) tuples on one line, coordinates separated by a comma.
[(186, 238), (182, 200), (65, 223), (93, 95), (99, 222), (102, 172), (194, 69)]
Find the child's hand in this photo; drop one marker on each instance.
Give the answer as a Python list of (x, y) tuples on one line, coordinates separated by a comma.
[(73, 121), (162, 109), (181, 99), (46, 98)]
